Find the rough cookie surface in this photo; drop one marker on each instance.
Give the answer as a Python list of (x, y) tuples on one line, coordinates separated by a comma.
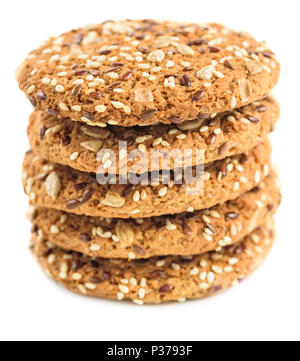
[(235, 132), (143, 72), (184, 234), (156, 279), (55, 186)]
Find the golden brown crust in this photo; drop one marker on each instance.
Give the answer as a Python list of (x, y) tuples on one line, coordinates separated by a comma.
[(225, 135), (157, 279), (143, 72), (55, 186), (184, 234)]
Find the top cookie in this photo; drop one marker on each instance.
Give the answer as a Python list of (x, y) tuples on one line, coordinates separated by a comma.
[(144, 72)]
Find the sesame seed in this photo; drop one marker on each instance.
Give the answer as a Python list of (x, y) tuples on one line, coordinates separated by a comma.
[(143, 282), (144, 66), (115, 238), (163, 191), (266, 169), (208, 231), (169, 82), (31, 89), (203, 263), (76, 108), (244, 120), (120, 296), (82, 289), (175, 266), (203, 286), (205, 219), (94, 247), (194, 271), (124, 289), (136, 196), (90, 286), (51, 258), (74, 155), (170, 64), (142, 293), (62, 275), (216, 269), (105, 157), (117, 105), (143, 194), (63, 106), (54, 58), (157, 141), (45, 81), (138, 302), (133, 281), (76, 276), (78, 82), (126, 109), (210, 277), (239, 168), (206, 176), (100, 108), (215, 214), (233, 261), (59, 88), (156, 69), (142, 147), (107, 164), (135, 211), (229, 167), (54, 229), (236, 186), (207, 237), (233, 102), (218, 74), (259, 204), (202, 276), (173, 131), (204, 129), (258, 249), (112, 122), (170, 226), (113, 75), (257, 176)]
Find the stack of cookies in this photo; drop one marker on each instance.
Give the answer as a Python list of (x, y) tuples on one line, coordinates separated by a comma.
[(109, 219)]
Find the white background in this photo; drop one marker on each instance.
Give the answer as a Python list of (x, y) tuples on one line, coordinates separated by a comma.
[(265, 306)]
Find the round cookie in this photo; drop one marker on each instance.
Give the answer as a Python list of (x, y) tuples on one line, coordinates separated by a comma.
[(235, 132), (144, 72), (55, 186), (156, 279), (184, 234)]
